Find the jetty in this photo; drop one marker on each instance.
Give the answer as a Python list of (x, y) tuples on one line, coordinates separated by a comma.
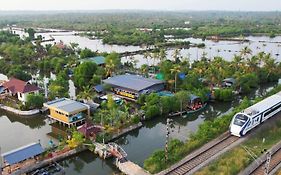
[(122, 163)]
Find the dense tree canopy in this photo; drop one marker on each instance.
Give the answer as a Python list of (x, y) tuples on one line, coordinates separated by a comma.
[(84, 73)]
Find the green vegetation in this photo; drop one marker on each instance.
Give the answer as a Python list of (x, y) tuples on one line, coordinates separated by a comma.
[(155, 105), (237, 159), (207, 131), (149, 28), (224, 94), (133, 37), (77, 139), (84, 73), (34, 101), (59, 87), (115, 116)]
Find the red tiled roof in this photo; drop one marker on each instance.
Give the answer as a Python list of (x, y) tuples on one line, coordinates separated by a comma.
[(16, 85), (88, 128)]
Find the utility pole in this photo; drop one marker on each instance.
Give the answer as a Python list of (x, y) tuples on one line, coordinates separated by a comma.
[(169, 122), (267, 163), (176, 82)]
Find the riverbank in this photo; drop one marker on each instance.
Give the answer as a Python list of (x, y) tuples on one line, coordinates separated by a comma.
[(207, 131), (19, 112), (125, 131), (48, 161), (68, 153)]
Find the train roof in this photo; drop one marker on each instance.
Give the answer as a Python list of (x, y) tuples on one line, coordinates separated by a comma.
[(263, 105)]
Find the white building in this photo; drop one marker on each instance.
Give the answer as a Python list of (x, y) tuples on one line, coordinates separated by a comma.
[(20, 89)]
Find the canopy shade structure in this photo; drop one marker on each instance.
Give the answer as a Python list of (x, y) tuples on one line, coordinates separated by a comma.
[(22, 153)]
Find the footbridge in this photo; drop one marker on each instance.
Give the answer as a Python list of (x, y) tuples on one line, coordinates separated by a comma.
[(123, 164)]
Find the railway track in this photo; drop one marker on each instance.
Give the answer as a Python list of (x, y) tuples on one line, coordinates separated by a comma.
[(274, 162), (201, 156)]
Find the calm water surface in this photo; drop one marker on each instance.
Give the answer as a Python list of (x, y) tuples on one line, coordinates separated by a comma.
[(16, 131)]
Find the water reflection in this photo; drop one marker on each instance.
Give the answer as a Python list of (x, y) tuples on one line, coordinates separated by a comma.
[(88, 164), (16, 131)]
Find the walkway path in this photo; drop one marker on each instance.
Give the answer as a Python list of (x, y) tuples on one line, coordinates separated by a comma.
[(131, 168)]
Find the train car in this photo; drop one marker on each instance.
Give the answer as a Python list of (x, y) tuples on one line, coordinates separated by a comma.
[(251, 117)]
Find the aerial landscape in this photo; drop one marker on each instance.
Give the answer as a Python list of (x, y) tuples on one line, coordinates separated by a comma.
[(140, 87)]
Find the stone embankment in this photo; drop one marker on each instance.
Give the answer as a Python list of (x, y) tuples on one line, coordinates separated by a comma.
[(19, 112)]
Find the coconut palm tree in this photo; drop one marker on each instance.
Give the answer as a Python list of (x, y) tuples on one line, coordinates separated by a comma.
[(86, 94), (144, 69), (269, 64), (110, 66), (162, 54), (245, 51), (252, 64), (176, 55), (175, 70), (155, 56)]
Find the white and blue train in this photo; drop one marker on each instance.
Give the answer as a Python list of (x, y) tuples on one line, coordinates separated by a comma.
[(251, 117)]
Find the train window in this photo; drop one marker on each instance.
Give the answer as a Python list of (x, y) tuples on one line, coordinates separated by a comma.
[(240, 119), (272, 110)]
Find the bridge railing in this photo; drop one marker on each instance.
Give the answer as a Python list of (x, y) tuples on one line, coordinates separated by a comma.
[(119, 149)]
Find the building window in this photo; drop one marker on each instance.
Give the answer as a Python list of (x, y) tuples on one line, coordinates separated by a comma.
[(20, 95)]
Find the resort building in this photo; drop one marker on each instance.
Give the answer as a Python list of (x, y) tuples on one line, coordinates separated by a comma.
[(68, 112), (131, 86), (20, 89), (99, 60)]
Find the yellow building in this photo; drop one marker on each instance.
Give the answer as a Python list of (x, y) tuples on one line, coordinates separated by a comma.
[(68, 111)]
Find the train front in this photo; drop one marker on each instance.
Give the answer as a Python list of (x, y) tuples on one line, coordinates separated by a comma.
[(238, 124)]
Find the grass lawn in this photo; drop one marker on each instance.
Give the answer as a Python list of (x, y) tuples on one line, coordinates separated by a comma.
[(237, 159)]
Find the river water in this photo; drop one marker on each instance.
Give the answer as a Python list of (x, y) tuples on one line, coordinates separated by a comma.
[(16, 131), (225, 49)]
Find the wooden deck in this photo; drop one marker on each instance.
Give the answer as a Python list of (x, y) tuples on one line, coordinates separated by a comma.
[(131, 168)]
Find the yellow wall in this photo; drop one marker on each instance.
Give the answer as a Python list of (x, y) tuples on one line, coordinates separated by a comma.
[(60, 117), (125, 94)]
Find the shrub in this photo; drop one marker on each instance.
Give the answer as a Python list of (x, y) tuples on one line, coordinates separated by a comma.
[(223, 94), (152, 111), (34, 101)]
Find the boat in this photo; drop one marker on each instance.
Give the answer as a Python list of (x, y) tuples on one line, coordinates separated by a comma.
[(195, 104)]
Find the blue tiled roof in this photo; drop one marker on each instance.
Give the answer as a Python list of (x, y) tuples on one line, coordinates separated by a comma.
[(133, 82), (23, 153), (99, 88)]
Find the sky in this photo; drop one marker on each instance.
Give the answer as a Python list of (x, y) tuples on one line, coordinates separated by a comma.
[(225, 5)]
